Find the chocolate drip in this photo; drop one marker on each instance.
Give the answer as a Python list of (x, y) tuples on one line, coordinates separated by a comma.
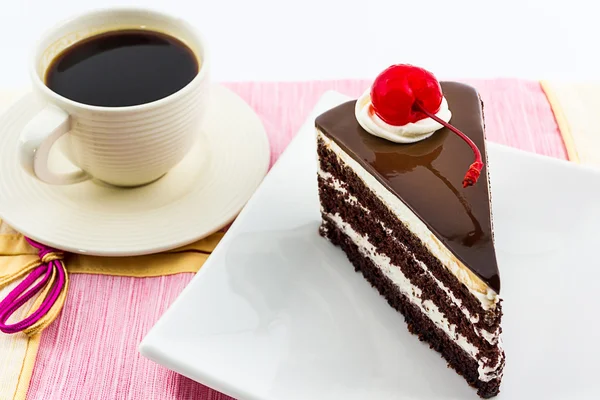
[(427, 176)]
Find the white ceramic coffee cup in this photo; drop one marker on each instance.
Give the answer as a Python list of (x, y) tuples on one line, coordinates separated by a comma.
[(123, 146)]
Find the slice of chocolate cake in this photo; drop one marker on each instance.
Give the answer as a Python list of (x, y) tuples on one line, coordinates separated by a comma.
[(392, 197)]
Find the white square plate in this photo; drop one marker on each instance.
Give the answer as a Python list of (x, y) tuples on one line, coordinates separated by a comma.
[(278, 312)]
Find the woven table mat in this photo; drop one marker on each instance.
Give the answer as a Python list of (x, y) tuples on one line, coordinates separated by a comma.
[(90, 351)]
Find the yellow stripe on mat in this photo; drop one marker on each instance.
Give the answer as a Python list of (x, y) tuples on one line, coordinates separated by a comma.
[(561, 120), (575, 106), (27, 367), (186, 259)]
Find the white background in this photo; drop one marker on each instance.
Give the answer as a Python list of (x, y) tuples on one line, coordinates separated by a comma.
[(330, 39)]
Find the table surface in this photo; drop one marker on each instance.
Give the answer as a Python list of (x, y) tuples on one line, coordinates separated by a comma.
[(271, 40)]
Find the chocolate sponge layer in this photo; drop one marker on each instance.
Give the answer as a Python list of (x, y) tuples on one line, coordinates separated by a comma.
[(358, 207)]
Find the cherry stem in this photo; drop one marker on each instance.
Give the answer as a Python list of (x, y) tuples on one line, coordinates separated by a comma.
[(475, 169)]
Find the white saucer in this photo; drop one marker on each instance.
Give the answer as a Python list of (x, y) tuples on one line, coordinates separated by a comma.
[(278, 312), (196, 198)]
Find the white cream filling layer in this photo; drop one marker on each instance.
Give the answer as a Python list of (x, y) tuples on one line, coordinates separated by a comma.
[(491, 338), (413, 293), (487, 297)]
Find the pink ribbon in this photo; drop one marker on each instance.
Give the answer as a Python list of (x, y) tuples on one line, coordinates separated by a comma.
[(25, 291)]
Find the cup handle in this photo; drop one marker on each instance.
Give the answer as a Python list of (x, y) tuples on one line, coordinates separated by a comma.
[(36, 140)]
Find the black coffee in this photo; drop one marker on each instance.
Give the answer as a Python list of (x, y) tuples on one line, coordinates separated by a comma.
[(122, 68)]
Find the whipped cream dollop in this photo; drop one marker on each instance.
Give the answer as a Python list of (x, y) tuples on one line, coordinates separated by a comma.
[(409, 133)]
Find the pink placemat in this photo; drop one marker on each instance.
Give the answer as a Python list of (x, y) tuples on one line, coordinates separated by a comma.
[(90, 352)]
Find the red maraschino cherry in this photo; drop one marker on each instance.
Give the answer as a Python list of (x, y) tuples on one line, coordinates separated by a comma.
[(403, 93), (396, 90)]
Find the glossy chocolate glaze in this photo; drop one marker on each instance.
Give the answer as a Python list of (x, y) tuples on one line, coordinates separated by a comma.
[(427, 176)]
